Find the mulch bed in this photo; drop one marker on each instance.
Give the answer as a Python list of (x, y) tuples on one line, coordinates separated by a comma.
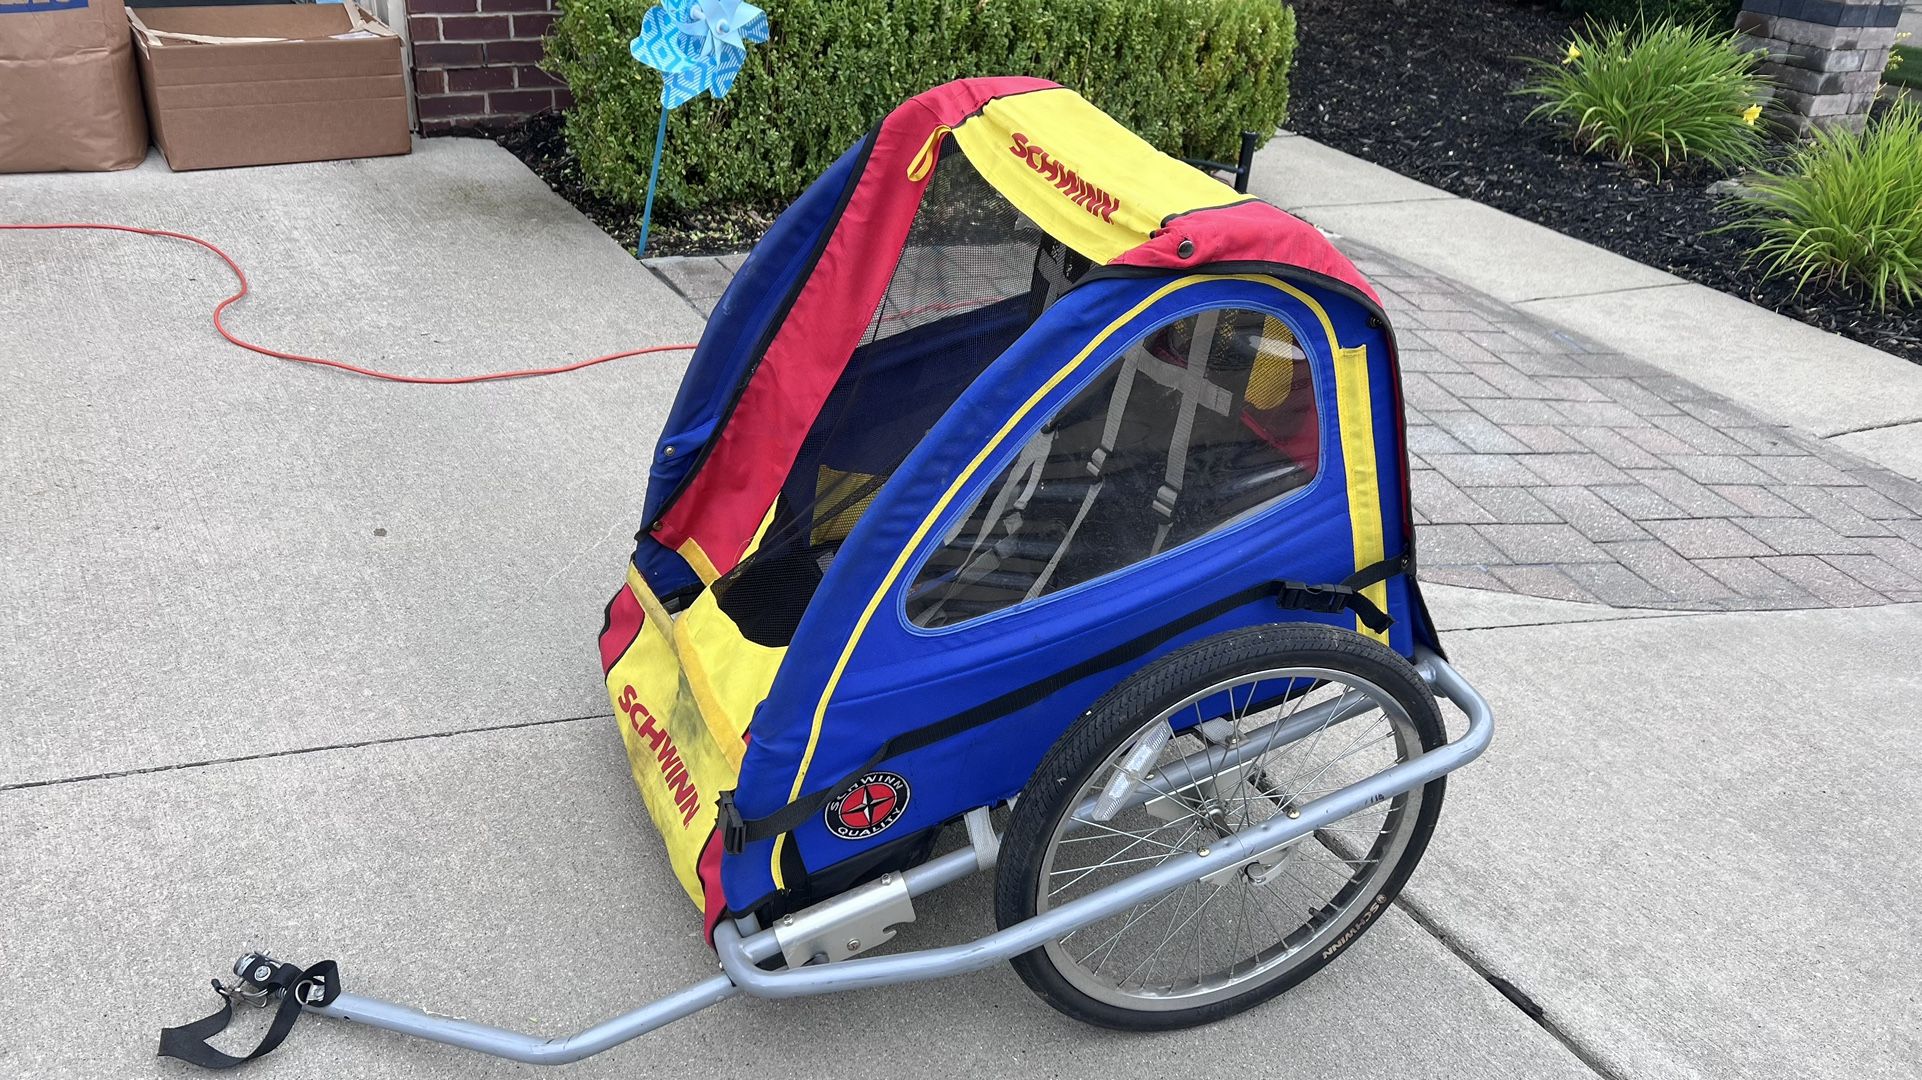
[(1426, 88), (540, 144)]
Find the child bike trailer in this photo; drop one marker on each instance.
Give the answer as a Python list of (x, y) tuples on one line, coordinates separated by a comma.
[(1033, 504)]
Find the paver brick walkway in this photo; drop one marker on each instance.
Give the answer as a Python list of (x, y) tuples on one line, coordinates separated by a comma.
[(1549, 467), (1546, 466)]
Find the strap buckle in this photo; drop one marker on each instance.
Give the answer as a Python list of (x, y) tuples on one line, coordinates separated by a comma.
[(733, 827), (1326, 599)]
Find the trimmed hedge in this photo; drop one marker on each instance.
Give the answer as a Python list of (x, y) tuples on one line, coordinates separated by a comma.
[(1188, 75)]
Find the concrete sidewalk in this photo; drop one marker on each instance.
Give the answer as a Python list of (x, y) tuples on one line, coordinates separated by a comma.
[(303, 661), (299, 660)]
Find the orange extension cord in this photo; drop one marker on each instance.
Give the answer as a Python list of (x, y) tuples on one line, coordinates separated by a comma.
[(241, 276)]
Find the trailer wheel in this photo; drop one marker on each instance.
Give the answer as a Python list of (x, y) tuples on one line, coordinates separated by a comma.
[(1208, 950)]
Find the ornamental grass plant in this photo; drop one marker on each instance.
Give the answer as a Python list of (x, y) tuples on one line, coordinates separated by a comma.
[(1846, 211), (1655, 94)]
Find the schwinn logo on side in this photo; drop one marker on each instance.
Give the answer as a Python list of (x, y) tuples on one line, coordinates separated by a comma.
[(1083, 194), (674, 775), (867, 806), (1367, 916)]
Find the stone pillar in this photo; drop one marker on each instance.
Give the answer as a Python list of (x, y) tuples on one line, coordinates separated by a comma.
[(1825, 57)]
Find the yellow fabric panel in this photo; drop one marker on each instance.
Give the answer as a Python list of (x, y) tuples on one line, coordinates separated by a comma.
[(830, 491), (728, 674), (1086, 180), (1357, 419), (1273, 374), (676, 762)]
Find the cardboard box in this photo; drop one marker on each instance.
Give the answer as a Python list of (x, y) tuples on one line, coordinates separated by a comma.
[(69, 95), (264, 85)]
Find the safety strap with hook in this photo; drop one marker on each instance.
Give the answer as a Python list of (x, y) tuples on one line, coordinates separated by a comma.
[(260, 978)]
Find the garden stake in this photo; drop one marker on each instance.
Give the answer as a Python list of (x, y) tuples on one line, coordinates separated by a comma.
[(653, 173)]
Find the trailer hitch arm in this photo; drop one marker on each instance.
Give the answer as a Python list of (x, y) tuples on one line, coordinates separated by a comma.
[(744, 947)]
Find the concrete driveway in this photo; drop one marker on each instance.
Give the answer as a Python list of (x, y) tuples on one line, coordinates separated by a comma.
[(303, 661)]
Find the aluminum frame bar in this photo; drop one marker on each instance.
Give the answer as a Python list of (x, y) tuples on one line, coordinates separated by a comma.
[(741, 955)]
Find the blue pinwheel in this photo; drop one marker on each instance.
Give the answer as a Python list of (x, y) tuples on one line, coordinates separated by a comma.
[(696, 45)]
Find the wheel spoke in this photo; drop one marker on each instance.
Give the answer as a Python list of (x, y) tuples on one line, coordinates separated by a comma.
[(1179, 848), (1132, 919), (1136, 836), (1189, 945), (1178, 927)]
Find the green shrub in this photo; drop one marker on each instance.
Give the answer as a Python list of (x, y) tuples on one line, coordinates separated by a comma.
[(1718, 13), (1847, 210), (1655, 94), (1188, 75)]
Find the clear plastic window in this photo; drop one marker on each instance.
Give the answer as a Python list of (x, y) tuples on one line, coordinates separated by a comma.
[(1207, 420)]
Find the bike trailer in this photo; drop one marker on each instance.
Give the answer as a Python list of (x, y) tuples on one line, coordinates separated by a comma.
[(1007, 405), (1030, 481)]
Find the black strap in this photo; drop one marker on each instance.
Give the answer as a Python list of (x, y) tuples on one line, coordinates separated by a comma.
[(318, 985), (1347, 596), (737, 832)]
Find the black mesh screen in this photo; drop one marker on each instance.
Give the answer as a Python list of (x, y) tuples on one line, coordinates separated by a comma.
[(973, 275), (1205, 421)]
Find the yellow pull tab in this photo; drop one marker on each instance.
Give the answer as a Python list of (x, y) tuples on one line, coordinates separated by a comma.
[(923, 162)]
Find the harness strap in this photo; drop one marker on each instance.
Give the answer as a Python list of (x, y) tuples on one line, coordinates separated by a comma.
[(318, 985), (737, 832)]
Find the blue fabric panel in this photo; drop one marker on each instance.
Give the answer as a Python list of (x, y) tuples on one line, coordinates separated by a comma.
[(912, 677), (901, 677), (904, 384), (752, 301)]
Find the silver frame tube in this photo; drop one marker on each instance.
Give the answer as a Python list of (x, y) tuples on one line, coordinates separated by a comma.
[(1216, 759), (531, 1049), (742, 954), (738, 956)]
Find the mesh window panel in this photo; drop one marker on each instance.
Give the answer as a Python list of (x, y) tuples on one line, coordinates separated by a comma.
[(973, 275), (1207, 420)]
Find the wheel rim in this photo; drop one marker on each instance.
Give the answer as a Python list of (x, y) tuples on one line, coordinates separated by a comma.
[(1206, 942)]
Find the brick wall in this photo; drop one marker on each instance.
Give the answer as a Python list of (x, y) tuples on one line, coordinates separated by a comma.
[(476, 61)]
